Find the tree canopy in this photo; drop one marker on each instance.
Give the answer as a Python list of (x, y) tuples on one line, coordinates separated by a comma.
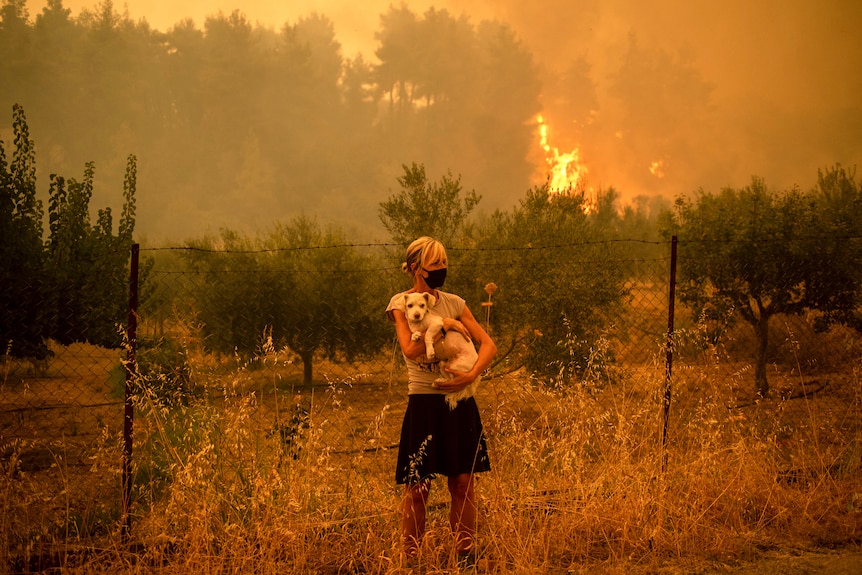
[(299, 285), (759, 254), (241, 124), (424, 208), (73, 285), (556, 283)]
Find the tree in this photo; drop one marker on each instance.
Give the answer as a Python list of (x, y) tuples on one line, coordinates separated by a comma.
[(87, 264), (230, 77), (22, 277), (309, 136), (459, 95), (659, 98), (760, 254), (300, 285), (502, 111), (839, 209), (17, 49), (74, 286), (399, 46), (333, 308), (425, 208), (559, 284)]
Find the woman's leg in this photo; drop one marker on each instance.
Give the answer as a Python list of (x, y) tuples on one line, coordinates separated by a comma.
[(462, 513), (413, 516)]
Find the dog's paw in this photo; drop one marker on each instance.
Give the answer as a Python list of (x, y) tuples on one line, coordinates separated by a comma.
[(430, 355), (416, 336)]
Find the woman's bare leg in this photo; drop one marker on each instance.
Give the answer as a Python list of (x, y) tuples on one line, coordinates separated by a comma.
[(413, 516), (462, 513)]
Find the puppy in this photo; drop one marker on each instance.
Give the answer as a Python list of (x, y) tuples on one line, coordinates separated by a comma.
[(453, 350)]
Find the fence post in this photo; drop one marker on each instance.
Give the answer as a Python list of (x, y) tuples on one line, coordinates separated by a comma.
[(669, 350), (128, 410)]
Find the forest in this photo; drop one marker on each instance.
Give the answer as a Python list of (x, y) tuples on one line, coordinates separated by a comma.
[(237, 125)]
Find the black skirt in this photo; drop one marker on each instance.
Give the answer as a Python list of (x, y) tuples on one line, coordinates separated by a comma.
[(438, 441)]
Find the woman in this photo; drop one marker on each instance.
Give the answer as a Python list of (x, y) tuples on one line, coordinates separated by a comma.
[(434, 438)]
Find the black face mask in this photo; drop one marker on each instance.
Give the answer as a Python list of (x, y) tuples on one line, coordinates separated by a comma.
[(435, 278)]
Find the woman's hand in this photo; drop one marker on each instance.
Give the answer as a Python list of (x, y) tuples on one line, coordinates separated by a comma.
[(460, 380), (452, 324)]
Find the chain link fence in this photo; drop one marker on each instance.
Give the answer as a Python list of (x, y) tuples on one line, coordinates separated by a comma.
[(298, 338)]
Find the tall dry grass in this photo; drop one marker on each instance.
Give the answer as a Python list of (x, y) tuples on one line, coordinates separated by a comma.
[(245, 479)]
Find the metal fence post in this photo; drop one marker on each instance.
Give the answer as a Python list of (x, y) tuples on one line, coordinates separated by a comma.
[(128, 411), (669, 350)]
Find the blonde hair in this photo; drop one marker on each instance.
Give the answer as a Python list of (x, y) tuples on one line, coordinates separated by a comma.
[(422, 250)]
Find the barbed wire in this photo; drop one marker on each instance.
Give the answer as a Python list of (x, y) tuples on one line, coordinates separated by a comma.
[(529, 247)]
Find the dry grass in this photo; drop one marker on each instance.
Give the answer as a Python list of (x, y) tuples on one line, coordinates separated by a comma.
[(260, 475)]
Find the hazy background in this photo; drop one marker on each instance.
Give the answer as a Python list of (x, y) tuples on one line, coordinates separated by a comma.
[(659, 98)]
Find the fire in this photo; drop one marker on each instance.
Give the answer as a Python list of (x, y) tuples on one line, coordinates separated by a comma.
[(657, 168), (567, 172)]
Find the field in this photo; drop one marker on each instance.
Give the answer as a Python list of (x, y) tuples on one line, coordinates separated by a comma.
[(252, 472)]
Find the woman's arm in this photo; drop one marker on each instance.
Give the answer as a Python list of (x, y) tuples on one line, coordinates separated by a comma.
[(412, 349), (487, 351)]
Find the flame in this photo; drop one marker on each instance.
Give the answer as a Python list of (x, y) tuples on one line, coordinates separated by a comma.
[(567, 172), (657, 168)]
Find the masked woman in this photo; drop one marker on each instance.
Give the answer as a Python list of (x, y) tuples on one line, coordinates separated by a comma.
[(437, 440)]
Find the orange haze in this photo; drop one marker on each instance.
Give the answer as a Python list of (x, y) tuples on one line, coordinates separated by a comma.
[(785, 78)]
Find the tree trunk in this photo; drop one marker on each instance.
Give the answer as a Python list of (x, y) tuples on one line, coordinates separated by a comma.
[(761, 330), (307, 367)]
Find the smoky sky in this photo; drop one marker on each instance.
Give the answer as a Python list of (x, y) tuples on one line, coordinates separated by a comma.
[(783, 75)]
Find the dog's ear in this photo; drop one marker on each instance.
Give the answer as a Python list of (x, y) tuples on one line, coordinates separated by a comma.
[(432, 301), (401, 304)]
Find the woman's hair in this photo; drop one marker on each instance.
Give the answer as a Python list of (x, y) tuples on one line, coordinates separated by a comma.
[(422, 250)]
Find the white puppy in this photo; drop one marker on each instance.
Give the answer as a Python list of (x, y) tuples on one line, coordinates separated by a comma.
[(453, 350)]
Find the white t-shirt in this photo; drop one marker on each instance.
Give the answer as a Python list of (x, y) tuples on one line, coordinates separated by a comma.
[(421, 376)]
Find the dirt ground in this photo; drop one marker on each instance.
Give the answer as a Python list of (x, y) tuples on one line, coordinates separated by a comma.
[(845, 560), (838, 562)]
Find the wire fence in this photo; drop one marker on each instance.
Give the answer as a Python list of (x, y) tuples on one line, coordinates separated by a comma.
[(302, 337)]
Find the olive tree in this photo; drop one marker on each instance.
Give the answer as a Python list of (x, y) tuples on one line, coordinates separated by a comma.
[(757, 254), (838, 201), (423, 208), (298, 284), (559, 282)]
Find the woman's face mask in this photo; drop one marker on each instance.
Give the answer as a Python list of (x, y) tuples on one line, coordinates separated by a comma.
[(435, 278)]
